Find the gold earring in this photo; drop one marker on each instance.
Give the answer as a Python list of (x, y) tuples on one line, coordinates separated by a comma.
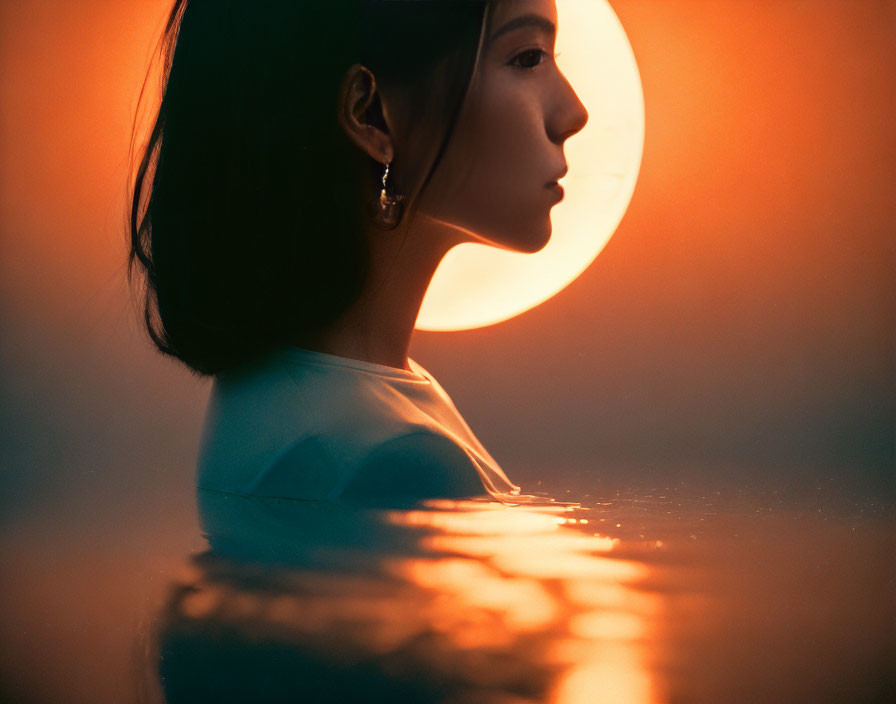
[(388, 208)]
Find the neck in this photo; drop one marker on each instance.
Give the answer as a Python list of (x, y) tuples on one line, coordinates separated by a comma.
[(379, 325)]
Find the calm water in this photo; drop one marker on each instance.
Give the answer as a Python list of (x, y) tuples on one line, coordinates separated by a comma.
[(641, 595)]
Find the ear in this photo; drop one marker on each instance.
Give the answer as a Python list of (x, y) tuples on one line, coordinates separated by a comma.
[(355, 96)]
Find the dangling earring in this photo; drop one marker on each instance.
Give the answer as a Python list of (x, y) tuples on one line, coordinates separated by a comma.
[(388, 209)]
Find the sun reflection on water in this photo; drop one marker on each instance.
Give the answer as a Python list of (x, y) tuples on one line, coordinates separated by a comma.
[(448, 601)]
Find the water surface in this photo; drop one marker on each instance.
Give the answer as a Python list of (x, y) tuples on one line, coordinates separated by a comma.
[(641, 595)]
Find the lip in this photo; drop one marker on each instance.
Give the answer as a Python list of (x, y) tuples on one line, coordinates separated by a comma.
[(558, 176), (556, 189)]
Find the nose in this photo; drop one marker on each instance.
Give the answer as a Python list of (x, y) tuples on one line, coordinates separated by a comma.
[(569, 116)]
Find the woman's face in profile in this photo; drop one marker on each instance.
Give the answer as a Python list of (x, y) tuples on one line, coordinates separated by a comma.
[(508, 142)]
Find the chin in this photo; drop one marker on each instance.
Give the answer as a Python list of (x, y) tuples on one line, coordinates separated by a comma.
[(536, 241), (526, 241), (517, 244)]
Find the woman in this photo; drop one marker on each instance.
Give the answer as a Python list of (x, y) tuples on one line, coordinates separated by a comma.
[(311, 163)]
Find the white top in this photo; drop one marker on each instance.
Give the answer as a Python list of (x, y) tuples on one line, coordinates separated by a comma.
[(303, 424)]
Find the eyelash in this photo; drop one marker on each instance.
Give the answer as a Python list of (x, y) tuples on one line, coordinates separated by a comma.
[(541, 52)]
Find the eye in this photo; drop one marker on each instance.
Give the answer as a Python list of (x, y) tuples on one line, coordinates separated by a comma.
[(528, 56)]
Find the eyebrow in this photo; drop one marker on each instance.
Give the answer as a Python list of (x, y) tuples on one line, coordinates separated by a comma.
[(543, 23)]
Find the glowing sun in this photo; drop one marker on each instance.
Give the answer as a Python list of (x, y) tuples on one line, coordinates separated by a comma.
[(478, 285)]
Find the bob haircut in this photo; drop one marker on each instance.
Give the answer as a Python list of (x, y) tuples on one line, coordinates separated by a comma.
[(247, 217)]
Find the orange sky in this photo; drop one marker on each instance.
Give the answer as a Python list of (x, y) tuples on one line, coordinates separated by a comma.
[(742, 314)]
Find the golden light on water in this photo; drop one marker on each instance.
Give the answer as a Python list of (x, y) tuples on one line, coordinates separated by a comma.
[(523, 604), (478, 285), (509, 560), (612, 675), (484, 546), (478, 518)]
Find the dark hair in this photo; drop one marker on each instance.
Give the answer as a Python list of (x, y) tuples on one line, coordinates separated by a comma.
[(246, 219)]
